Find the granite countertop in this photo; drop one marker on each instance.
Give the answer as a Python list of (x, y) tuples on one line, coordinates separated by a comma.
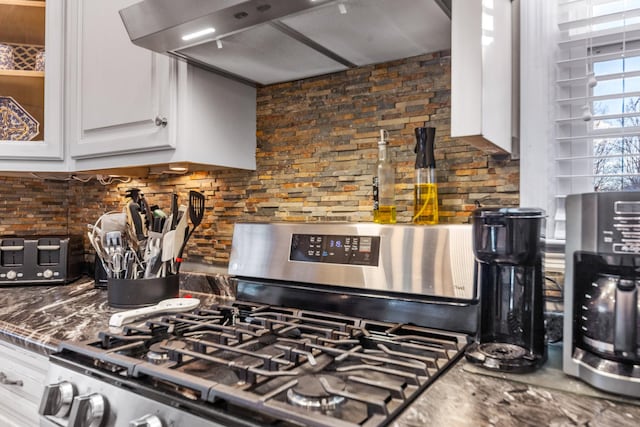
[(465, 398), (38, 318)]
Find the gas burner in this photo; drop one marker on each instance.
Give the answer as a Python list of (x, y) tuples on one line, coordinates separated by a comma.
[(311, 393), (159, 352), (502, 351)]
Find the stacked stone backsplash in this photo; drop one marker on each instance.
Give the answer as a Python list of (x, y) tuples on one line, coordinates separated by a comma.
[(316, 155), (33, 206)]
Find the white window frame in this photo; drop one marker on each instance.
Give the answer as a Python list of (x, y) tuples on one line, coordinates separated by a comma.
[(538, 34), (538, 111)]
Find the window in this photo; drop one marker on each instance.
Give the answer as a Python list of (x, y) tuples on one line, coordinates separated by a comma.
[(597, 110), (616, 108)]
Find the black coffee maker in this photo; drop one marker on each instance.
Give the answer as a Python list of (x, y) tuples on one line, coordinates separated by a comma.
[(507, 244)]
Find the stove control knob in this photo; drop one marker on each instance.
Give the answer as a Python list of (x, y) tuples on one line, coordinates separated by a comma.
[(146, 421), (57, 399), (89, 410), (48, 274), (11, 274)]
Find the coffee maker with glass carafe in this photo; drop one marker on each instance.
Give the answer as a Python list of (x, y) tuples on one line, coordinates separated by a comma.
[(601, 338), (507, 244)]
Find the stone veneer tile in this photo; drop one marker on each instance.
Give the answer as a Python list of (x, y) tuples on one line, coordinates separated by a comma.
[(316, 159)]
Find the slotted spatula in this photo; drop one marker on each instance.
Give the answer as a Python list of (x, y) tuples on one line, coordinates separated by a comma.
[(196, 213)]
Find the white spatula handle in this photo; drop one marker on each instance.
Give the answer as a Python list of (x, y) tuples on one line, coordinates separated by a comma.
[(172, 305)]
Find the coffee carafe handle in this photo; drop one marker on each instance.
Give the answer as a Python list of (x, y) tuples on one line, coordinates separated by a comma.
[(626, 317)]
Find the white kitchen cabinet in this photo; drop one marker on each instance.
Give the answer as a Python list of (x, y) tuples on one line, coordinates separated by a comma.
[(32, 134), (215, 126), (115, 90), (130, 107), (22, 379), (483, 108)]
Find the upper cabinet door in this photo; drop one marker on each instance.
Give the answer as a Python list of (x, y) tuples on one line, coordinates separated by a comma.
[(31, 75), (484, 78), (120, 98)]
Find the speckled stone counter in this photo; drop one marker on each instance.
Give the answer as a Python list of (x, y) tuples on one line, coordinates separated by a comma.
[(38, 318), (464, 399)]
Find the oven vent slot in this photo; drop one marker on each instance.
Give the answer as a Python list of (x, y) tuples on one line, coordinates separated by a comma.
[(12, 252)]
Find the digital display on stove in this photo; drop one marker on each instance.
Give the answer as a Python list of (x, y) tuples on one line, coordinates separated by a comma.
[(334, 249)]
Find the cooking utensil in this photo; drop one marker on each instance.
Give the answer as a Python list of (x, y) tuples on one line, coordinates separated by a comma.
[(180, 233), (171, 305), (113, 221), (137, 196), (167, 251), (129, 263), (102, 255), (196, 207), (158, 224), (136, 218), (153, 254), (115, 249), (196, 213), (108, 222), (146, 210), (174, 211)]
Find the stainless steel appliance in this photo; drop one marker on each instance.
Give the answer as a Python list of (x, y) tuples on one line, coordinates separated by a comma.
[(602, 282), (333, 325), (507, 243), (38, 260), (270, 41)]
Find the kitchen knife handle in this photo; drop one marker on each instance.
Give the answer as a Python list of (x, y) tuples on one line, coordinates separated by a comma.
[(174, 211)]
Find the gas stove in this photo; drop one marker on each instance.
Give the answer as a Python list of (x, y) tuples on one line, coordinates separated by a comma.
[(260, 360)]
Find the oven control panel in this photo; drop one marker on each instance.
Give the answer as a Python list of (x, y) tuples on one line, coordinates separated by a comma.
[(335, 249)]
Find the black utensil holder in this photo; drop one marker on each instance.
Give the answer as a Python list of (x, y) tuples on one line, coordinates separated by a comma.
[(129, 293)]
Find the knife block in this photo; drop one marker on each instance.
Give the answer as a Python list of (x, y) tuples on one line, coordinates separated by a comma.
[(133, 293)]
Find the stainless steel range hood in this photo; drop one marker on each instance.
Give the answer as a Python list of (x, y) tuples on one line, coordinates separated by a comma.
[(270, 41)]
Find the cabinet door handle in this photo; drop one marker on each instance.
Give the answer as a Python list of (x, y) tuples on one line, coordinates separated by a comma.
[(161, 121), (7, 381)]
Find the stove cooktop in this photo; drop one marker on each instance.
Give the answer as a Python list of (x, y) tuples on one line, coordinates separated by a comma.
[(272, 365)]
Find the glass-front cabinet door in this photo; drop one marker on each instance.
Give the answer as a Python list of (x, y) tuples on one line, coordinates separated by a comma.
[(31, 73)]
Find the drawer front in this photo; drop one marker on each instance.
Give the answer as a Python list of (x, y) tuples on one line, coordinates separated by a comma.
[(17, 411), (20, 365)]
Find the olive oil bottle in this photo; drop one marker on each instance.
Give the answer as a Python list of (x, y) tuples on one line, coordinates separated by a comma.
[(384, 205), (425, 190)]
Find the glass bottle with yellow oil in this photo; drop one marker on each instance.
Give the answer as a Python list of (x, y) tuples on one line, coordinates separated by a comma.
[(384, 204), (425, 191)]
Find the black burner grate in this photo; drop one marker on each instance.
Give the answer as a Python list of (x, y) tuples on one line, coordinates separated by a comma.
[(307, 367)]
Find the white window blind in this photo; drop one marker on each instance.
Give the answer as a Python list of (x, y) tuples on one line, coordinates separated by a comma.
[(597, 126)]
